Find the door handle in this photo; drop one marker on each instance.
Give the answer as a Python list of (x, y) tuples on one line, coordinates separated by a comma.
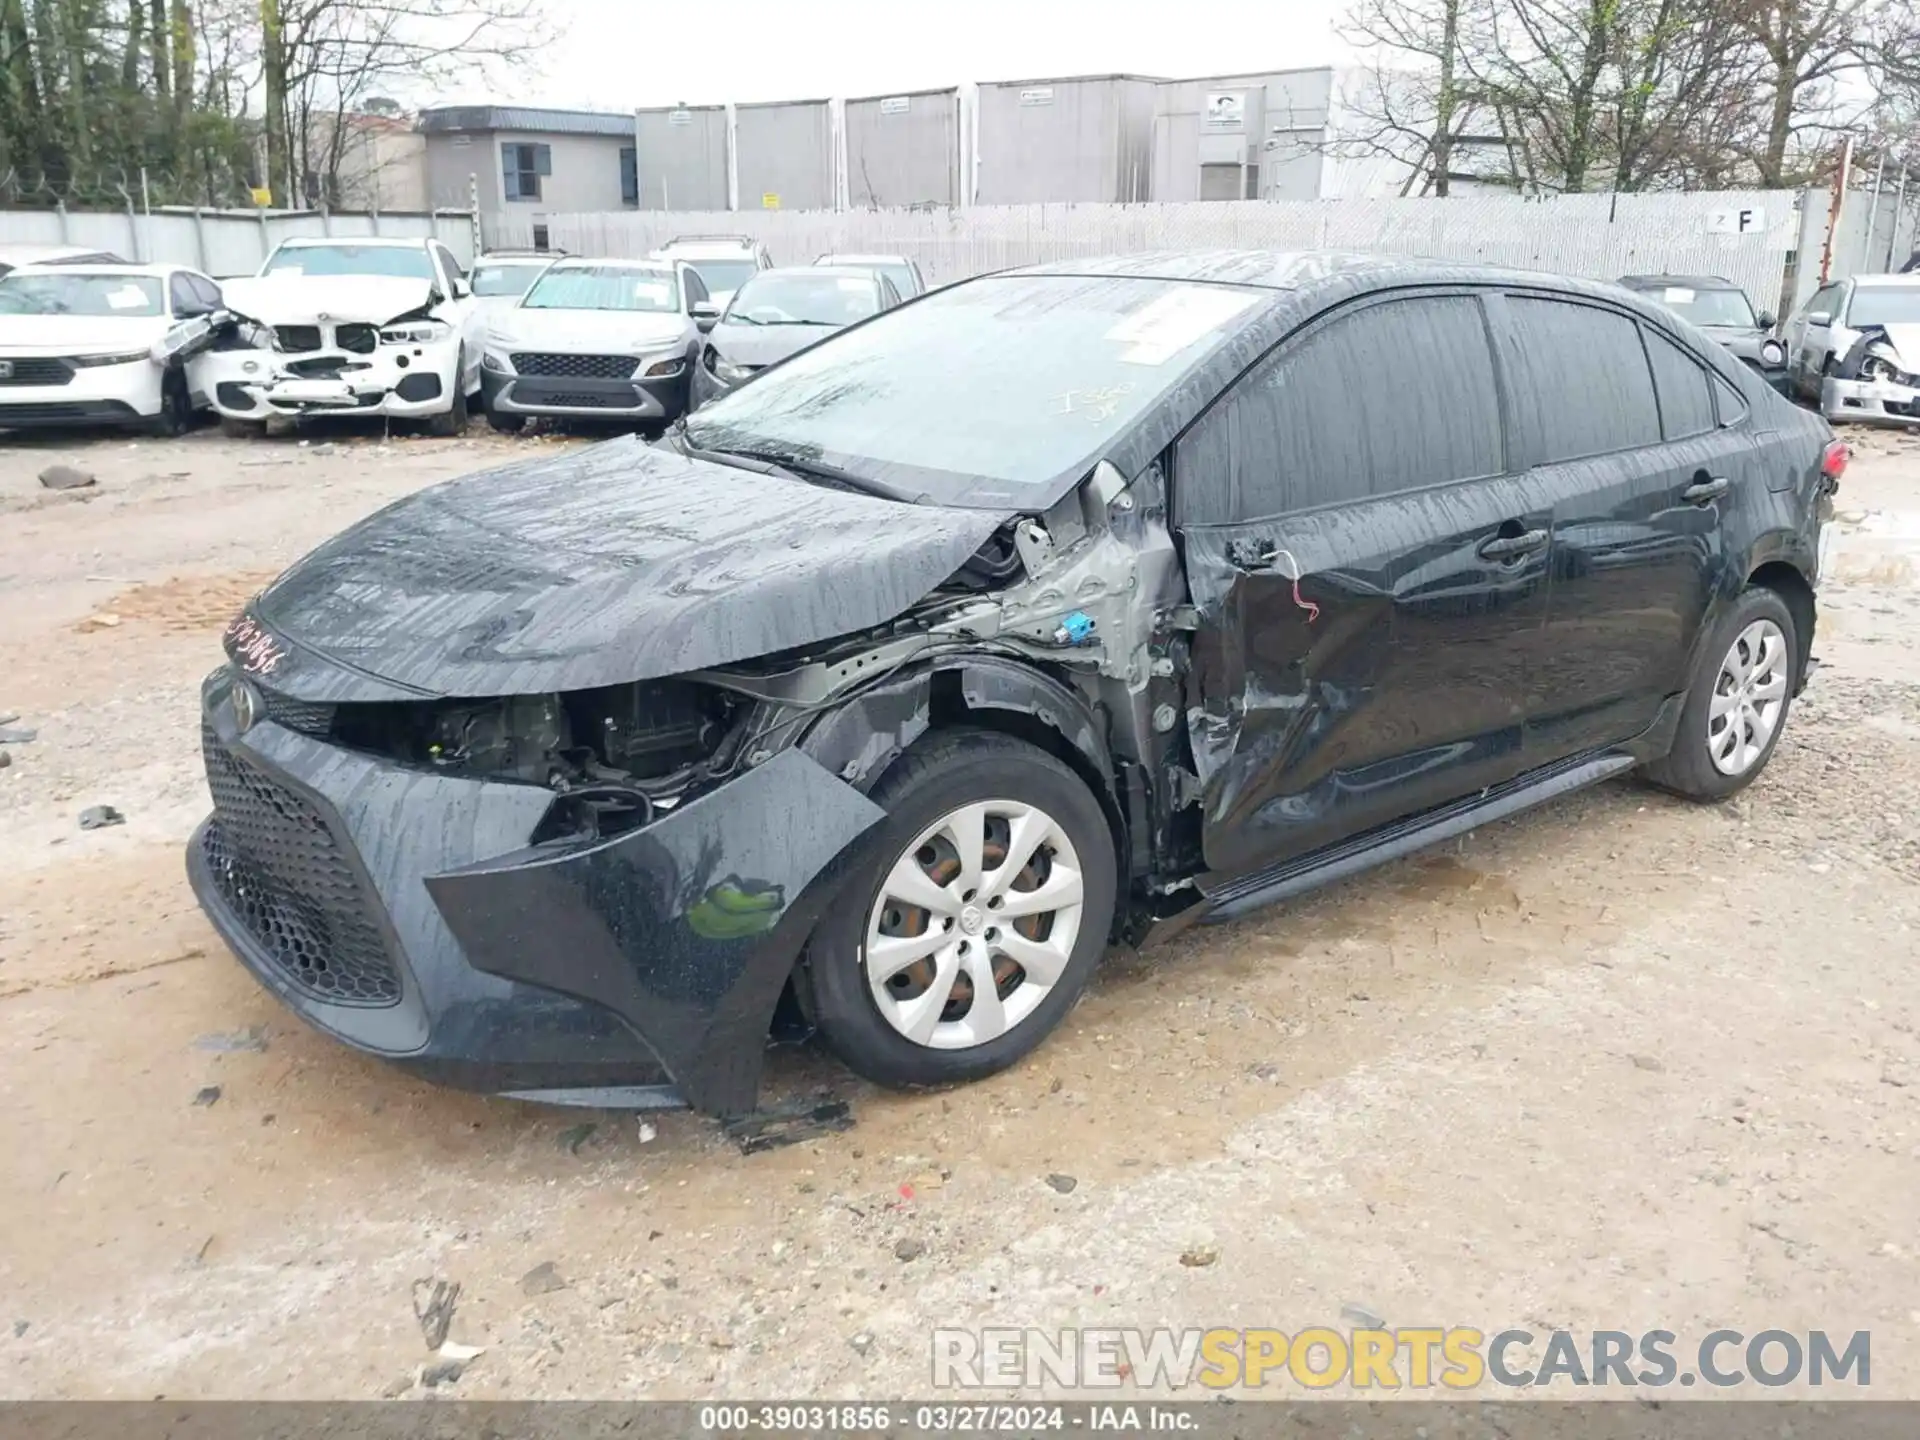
[(1703, 491), (1512, 547)]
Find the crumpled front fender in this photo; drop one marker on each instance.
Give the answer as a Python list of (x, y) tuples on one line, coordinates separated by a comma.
[(687, 929)]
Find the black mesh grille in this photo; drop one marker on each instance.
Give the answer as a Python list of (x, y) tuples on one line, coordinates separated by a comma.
[(294, 338), (309, 717), (584, 367), (356, 337), (37, 370), (276, 864)]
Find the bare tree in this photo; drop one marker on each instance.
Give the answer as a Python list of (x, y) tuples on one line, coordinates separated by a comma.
[(322, 58), (1421, 95), (1806, 45)]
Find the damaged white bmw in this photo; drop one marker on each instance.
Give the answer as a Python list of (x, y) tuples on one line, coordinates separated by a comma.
[(367, 326)]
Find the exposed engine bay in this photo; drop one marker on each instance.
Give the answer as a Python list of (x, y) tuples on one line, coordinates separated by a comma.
[(1091, 591)]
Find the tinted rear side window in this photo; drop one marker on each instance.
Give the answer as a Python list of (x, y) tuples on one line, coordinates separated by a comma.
[(1580, 381), (1686, 397), (1396, 396)]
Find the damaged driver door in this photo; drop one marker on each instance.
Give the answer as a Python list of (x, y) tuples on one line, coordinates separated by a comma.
[(1370, 581)]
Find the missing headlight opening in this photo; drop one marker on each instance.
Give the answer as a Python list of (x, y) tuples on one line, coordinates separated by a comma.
[(614, 756)]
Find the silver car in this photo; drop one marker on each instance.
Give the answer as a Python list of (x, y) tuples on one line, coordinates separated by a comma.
[(904, 273), (1854, 347), (780, 313), (595, 340)]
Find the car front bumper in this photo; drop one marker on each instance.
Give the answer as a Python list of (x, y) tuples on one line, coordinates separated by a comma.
[(96, 395), (408, 914), (1871, 402), (569, 396), (406, 382)]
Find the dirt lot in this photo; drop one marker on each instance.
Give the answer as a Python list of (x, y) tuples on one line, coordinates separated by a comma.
[(1623, 1063)]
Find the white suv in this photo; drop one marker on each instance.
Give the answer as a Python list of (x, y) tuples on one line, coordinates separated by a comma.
[(724, 262), (354, 326)]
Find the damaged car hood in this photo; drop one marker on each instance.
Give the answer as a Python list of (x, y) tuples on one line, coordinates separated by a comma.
[(617, 563), (1905, 342), (283, 299), (766, 344)]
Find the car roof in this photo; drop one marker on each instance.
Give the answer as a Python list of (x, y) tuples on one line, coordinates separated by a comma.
[(40, 254), (386, 242), (520, 255), (844, 272), (1886, 281), (1687, 282), (615, 262), (708, 246), (102, 267), (839, 258)]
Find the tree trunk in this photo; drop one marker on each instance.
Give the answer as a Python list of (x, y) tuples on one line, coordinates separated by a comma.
[(1773, 163), (136, 41), (183, 57), (273, 75), (1446, 101)]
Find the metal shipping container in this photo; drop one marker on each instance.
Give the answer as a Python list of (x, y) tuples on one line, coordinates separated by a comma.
[(903, 149), (1242, 137), (681, 157), (784, 154), (1083, 138)]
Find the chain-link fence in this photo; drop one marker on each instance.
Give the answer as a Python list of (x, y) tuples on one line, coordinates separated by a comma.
[(1748, 236)]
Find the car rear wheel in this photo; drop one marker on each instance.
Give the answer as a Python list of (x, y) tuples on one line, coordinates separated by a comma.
[(1738, 702), (977, 920)]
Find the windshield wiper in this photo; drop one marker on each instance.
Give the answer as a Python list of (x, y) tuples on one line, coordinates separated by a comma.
[(802, 468)]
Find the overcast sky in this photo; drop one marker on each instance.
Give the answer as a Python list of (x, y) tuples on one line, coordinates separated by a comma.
[(618, 54)]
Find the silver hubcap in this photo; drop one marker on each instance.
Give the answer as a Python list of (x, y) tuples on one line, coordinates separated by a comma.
[(1748, 697), (974, 924)]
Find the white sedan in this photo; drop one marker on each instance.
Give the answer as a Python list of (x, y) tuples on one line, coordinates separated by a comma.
[(596, 339), (90, 344)]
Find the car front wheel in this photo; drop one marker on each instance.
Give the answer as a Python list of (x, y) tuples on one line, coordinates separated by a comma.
[(1738, 702), (977, 921)]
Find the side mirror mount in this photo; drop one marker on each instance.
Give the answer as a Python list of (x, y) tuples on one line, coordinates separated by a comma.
[(461, 289), (1767, 319), (1820, 318), (705, 314)]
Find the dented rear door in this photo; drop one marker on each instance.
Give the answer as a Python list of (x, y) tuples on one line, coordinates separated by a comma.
[(1370, 580)]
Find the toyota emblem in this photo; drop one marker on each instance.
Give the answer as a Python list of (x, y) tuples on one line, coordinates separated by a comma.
[(246, 706)]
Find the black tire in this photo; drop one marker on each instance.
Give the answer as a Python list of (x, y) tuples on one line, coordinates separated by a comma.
[(940, 774), (456, 420), (1688, 769), (176, 406), (242, 429), (506, 424)]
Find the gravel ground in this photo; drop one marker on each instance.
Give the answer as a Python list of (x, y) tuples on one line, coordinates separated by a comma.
[(1622, 1063)]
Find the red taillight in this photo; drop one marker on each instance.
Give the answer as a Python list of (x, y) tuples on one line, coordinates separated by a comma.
[(1833, 460)]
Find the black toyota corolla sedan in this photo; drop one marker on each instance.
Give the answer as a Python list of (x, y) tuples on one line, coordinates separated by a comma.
[(1092, 600)]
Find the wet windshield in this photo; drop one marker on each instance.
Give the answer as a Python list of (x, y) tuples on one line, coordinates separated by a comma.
[(782, 297), (502, 279), (1884, 305), (604, 287), (125, 296), (400, 261), (1706, 307), (723, 277), (1015, 379)]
